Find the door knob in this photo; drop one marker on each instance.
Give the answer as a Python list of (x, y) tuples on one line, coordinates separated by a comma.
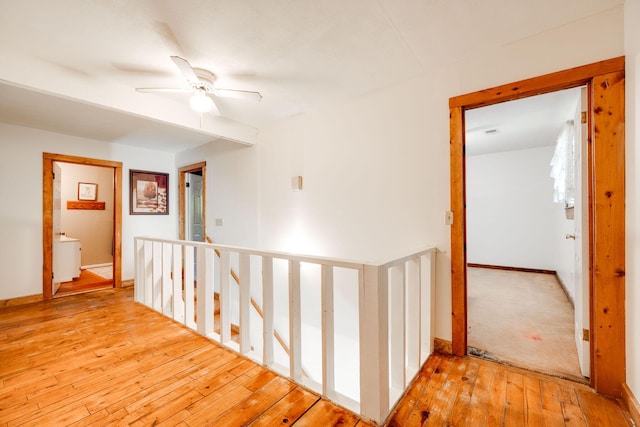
[(570, 236)]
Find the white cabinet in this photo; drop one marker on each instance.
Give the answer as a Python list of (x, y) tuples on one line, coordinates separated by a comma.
[(67, 259)]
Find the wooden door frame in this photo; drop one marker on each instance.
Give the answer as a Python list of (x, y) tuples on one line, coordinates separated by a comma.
[(182, 172), (605, 83), (47, 215)]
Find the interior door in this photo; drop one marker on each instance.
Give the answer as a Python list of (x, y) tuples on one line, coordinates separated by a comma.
[(581, 216), (195, 223), (57, 208)]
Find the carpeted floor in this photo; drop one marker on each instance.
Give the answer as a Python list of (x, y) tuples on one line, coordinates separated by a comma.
[(523, 319)]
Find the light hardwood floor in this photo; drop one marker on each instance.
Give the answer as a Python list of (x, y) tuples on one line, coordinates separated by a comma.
[(456, 391), (101, 359), (87, 281)]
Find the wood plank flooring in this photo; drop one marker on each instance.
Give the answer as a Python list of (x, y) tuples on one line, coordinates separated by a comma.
[(455, 391), (101, 359), (87, 281)]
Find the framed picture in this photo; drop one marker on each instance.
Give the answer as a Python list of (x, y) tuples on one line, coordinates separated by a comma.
[(87, 191), (148, 192)]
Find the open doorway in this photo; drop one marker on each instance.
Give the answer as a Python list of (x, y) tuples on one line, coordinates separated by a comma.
[(83, 228), (524, 233), (192, 202), (61, 253), (605, 82)]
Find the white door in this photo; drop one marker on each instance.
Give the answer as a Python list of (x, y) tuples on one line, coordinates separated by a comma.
[(581, 220), (194, 211), (57, 208)]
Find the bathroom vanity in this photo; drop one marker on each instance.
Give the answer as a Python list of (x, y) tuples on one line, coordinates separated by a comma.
[(67, 265)]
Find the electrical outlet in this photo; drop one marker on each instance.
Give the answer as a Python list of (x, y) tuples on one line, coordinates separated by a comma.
[(219, 222), (448, 218)]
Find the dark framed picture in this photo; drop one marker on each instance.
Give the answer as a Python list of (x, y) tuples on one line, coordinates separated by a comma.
[(148, 192), (87, 191)]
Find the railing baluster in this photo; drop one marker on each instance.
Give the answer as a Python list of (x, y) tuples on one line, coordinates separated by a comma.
[(295, 320), (267, 307), (157, 276), (148, 273), (427, 302), (176, 271), (397, 327), (167, 291), (374, 341), (328, 333), (225, 313), (412, 279), (204, 290), (245, 303), (139, 279), (189, 297)]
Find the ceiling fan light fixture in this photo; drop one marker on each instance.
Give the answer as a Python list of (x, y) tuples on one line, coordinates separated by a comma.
[(200, 102)]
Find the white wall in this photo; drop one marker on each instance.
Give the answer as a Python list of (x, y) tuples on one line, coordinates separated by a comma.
[(376, 168), (232, 174), (21, 195), (512, 220), (632, 50), (361, 163)]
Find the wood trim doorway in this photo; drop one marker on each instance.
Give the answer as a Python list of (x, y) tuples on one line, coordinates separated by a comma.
[(182, 172), (605, 86), (47, 215)]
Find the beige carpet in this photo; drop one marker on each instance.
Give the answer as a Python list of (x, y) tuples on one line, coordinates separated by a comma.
[(523, 319)]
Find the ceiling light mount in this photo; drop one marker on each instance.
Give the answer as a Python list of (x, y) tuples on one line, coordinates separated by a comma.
[(205, 82)]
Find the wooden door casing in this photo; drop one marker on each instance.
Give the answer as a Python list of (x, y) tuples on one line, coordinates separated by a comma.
[(605, 82)]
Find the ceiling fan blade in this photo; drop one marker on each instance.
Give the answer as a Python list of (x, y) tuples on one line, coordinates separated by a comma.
[(163, 90), (214, 109), (238, 94), (186, 69)]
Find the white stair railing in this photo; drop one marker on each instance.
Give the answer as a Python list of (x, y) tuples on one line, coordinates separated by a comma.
[(393, 308)]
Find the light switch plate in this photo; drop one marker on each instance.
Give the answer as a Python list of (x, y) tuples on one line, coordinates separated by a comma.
[(448, 217), (219, 222)]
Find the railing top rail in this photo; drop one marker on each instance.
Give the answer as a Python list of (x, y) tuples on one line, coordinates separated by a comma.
[(403, 259), (357, 265), (273, 254)]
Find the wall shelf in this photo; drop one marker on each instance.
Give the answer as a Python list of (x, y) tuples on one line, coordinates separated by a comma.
[(84, 205)]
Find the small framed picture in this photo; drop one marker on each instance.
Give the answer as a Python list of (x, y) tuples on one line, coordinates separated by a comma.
[(148, 193), (87, 191)]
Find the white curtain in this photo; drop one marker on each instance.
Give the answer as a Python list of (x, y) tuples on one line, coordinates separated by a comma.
[(563, 166)]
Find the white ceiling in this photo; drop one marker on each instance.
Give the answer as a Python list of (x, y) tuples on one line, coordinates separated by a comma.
[(521, 124), (301, 55)]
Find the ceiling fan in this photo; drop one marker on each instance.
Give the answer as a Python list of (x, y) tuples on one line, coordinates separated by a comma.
[(202, 85)]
